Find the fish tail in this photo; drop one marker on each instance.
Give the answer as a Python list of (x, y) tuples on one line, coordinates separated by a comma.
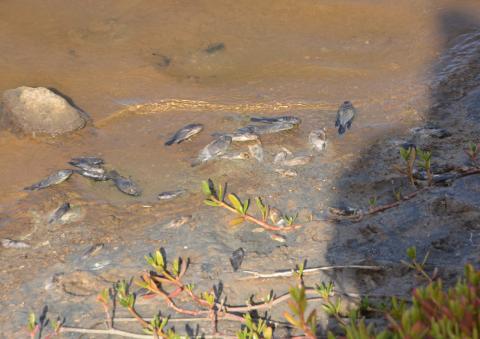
[(169, 142), (341, 129)]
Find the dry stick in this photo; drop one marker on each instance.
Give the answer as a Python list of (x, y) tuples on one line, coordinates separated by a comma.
[(254, 220), (289, 273)]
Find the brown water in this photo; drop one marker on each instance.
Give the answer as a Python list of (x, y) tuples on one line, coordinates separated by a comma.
[(302, 57)]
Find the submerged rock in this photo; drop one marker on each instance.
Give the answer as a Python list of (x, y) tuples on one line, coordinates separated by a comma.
[(39, 110)]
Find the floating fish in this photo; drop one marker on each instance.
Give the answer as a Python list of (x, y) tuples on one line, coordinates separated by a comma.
[(53, 179), (171, 194), (266, 129), (9, 243), (214, 149), (318, 139), (184, 133), (237, 258), (125, 185), (271, 120), (59, 212), (345, 115)]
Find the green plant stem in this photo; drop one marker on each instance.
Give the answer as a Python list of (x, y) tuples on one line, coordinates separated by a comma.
[(254, 220)]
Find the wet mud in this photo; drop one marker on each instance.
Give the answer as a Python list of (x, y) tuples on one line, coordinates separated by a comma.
[(409, 65)]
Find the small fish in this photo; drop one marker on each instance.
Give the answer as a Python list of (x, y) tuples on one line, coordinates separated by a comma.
[(100, 265), (266, 129), (236, 156), (86, 162), (184, 133), (280, 157), (237, 258), (271, 120), (98, 174), (342, 211), (289, 173), (92, 250), (171, 194), (345, 115), (53, 179), (318, 139), (59, 212), (9, 243), (178, 222), (214, 149), (256, 151), (278, 237), (216, 47), (125, 185), (239, 136), (297, 161)]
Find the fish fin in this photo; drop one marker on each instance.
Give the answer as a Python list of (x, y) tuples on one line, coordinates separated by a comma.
[(341, 129)]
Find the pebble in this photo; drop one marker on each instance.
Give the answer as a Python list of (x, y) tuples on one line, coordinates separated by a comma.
[(278, 237)]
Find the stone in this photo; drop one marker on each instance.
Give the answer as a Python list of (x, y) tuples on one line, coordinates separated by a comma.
[(39, 110)]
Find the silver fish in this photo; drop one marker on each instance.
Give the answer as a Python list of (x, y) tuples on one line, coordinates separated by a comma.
[(59, 212), (318, 139), (171, 194), (239, 136), (256, 151), (125, 185), (214, 149), (236, 156), (86, 162), (92, 250), (271, 120), (286, 172), (184, 133), (9, 243), (98, 174), (345, 115), (266, 129), (53, 179), (297, 161)]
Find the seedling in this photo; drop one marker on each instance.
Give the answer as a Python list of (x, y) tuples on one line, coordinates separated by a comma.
[(425, 157), (472, 151), (298, 306), (372, 202), (409, 155), (417, 266), (255, 330)]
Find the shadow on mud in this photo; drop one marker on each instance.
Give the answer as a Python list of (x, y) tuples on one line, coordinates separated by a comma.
[(442, 220)]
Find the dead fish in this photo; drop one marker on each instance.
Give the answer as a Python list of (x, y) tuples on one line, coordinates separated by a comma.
[(216, 47), (100, 265), (53, 179), (9, 243), (214, 149), (289, 173), (318, 139), (297, 161), (92, 250), (237, 258), (86, 162), (239, 136), (125, 185), (98, 174), (184, 133), (178, 222), (170, 194), (266, 129), (59, 212), (280, 157), (342, 211), (256, 151), (271, 120), (236, 156), (345, 115)]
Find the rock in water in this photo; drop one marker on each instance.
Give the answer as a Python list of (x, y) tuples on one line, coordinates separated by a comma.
[(53, 179), (237, 258), (125, 185), (213, 150), (318, 139), (39, 110), (184, 133), (345, 115)]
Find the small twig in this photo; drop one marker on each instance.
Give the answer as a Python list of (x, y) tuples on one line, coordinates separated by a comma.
[(113, 331), (289, 273)]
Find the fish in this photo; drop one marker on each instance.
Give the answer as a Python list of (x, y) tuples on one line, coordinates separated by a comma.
[(280, 157), (98, 174), (53, 179), (171, 194), (345, 115), (125, 185), (214, 149), (86, 162), (318, 139), (266, 129), (59, 212), (236, 156), (256, 151), (342, 211), (9, 243), (184, 133), (213, 48), (239, 136), (297, 161), (180, 221), (237, 258), (286, 172), (92, 250), (271, 120)]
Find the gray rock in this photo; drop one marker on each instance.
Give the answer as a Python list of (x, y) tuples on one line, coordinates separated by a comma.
[(39, 110)]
